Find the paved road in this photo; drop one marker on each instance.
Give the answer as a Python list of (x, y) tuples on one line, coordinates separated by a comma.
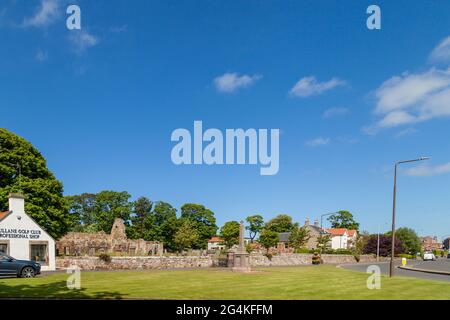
[(440, 265)]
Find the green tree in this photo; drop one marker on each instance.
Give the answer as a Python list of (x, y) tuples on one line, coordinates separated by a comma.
[(230, 233), (110, 205), (256, 223), (81, 210), (165, 224), (24, 170), (361, 242), (299, 237), (186, 236), (323, 241), (343, 219), (204, 221), (409, 238), (268, 238), (281, 223), (140, 218)]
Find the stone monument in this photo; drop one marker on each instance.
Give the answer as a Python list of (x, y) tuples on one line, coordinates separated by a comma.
[(241, 256)]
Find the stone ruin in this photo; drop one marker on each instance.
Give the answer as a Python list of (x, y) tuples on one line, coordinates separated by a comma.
[(116, 243)]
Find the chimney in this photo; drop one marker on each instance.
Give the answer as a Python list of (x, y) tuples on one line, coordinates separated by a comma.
[(316, 222), (16, 203), (307, 222)]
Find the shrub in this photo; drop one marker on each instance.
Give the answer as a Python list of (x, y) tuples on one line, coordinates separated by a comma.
[(302, 250), (405, 255), (438, 253), (105, 257), (342, 251), (269, 256), (385, 246)]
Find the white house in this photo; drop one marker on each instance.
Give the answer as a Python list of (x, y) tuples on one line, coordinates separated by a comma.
[(342, 238), (22, 238), (216, 243)]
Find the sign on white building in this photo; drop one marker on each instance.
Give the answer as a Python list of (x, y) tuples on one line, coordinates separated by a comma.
[(22, 238)]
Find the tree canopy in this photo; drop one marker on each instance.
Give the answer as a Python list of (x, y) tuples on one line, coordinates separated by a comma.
[(24, 170), (281, 223), (203, 220), (230, 233), (323, 241), (256, 223), (385, 245), (141, 218), (186, 236), (343, 219), (97, 212), (299, 237), (409, 238), (268, 238), (165, 224)]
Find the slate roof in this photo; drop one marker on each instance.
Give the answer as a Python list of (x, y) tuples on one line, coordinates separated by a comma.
[(284, 236)]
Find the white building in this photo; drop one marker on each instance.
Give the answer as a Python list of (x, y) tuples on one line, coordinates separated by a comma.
[(22, 238), (342, 238), (215, 243)]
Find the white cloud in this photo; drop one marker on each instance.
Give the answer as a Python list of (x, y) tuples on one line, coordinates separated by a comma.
[(401, 92), (309, 86), (333, 112), (318, 142), (405, 132), (426, 171), (442, 52), (41, 56), (46, 14), (396, 118), (82, 40), (230, 82), (412, 98)]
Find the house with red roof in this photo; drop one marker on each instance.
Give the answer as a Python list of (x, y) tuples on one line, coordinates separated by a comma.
[(216, 243), (342, 238)]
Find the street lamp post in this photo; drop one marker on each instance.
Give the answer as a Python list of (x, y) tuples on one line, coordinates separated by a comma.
[(378, 242), (394, 204), (378, 245), (323, 215)]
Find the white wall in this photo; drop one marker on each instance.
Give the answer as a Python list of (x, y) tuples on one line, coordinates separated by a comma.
[(215, 246), (339, 242), (20, 230)]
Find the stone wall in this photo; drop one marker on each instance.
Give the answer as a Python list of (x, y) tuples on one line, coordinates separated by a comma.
[(260, 260), (182, 262), (136, 263)]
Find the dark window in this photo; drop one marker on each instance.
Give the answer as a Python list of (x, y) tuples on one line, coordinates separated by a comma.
[(39, 253), (4, 248)]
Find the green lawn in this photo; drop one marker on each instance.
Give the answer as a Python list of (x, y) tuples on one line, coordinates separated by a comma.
[(309, 282)]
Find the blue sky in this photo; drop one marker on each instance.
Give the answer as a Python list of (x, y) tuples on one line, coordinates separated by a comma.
[(101, 103)]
